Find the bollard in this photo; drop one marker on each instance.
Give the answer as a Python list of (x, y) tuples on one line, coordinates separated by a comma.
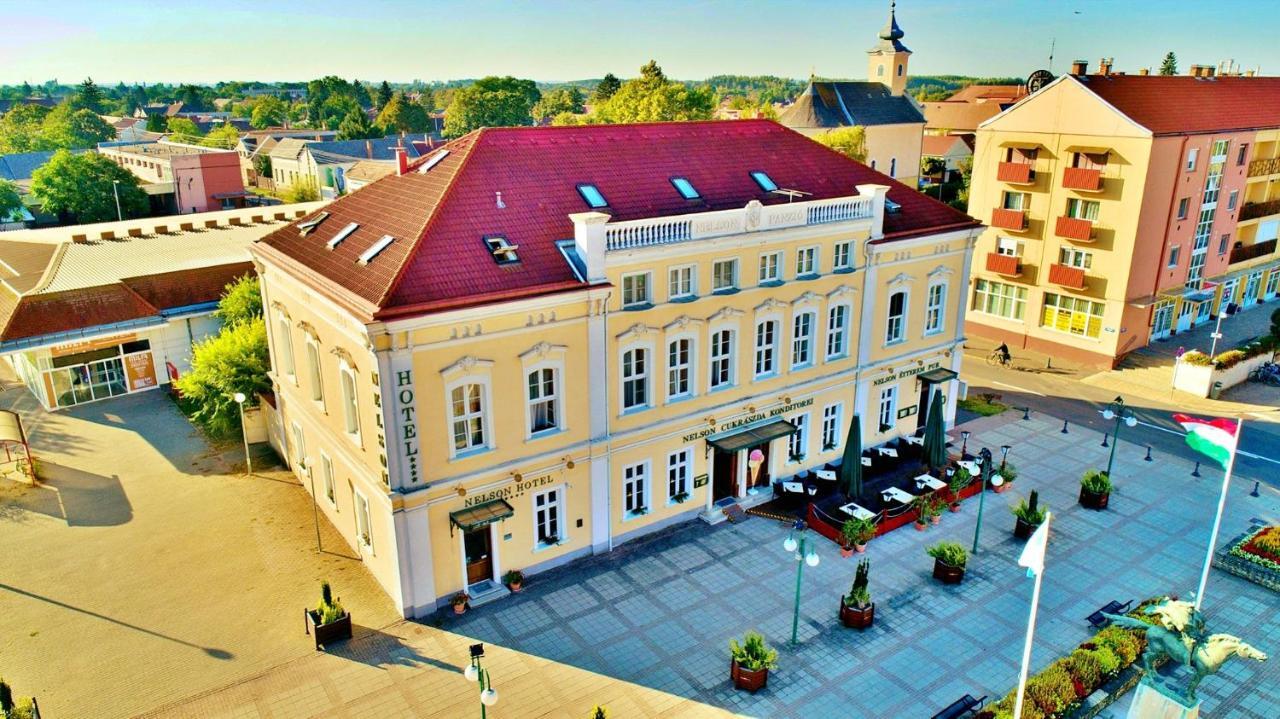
[(1064, 426), (1105, 435), (1254, 493), (1148, 457), (1196, 472), (1026, 413)]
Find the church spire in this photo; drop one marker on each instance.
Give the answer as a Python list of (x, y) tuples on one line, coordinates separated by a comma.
[(891, 31)]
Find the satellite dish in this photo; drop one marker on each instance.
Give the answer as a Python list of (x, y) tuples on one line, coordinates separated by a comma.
[(1037, 80)]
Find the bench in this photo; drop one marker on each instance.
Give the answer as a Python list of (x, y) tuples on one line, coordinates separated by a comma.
[(1098, 621), (964, 706)]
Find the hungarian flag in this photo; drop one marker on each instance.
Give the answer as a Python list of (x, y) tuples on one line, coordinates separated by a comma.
[(1214, 437)]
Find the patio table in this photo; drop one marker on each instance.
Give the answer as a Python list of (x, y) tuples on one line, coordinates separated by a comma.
[(857, 511), (796, 487), (826, 474), (898, 495), (915, 440), (926, 480), (887, 451), (866, 461)]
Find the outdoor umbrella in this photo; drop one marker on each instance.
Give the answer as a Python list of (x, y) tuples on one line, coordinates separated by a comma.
[(935, 436), (851, 465)]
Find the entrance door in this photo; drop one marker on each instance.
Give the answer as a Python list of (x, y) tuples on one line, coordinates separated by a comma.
[(479, 555), (922, 409), (726, 479), (1185, 313), (1162, 322), (1250, 297)]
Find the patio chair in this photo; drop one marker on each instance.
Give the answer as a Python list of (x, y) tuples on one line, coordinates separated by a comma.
[(1098, 621), (964, 706)]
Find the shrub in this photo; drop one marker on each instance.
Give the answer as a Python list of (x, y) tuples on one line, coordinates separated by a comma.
[(329, 610), (1051, 690), (1275, 324), (1122, 642), (1085, 667), (1029, 510), (949, 553), (753, 653), (1096, 481), (959, 481), (1107, 660), (1197, 358), (514, 576), (1228, 359), (859, 595), (1008, 471), (599, 712)]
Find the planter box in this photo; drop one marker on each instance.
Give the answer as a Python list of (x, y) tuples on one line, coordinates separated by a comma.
[(856, 618), (751, 680), (326, 634), (946, 573), (1199, 379), (1023, 530), (1241, 567), (1091, 500)]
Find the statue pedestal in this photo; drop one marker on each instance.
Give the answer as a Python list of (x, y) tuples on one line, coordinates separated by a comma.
[(1151, 703)]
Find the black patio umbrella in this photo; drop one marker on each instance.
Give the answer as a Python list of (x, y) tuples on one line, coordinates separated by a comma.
[(851, 465), (935, 435)]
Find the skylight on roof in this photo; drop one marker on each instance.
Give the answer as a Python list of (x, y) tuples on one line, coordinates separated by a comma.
[(504, 253), (891, 207), (383, 243), (592, 195), (685, 188), (765, 182), (433, 161), (343, 234), (311, 224)]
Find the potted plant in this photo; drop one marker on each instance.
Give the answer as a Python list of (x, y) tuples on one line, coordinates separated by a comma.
[(857, 611), (1095, 489), (959, 480), (599, 712), (751, 662), (460, 602), (935, 508), (922, 513), (1028, 515), (328, 622), (949, 559), (681, 497), (514, 579), (856, 532), (1008, 473)]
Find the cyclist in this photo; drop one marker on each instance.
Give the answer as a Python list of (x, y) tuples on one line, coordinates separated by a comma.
[(1003, 352)]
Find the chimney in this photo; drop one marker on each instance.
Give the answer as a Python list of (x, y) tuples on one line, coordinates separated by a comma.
[(1079, 67), (1250, 73), (402, 161), (1104, 66), (1208, 70), (1145, 71)]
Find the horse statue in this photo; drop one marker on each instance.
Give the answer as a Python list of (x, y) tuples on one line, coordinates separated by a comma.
[(1211, 654)]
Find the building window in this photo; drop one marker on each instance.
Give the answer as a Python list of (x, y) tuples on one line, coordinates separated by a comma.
[(765, 182), (806, 261), (798, 443), (841, 256), (1220, 150), (680, 282), (685, 188), (1242, 154), (679, 361), (1022, 155), (1009, 246), (284, 346), (1073, 315), (895, 329), (635, 289), (635, 378), (724, 275), (466, 414), (880, 71), (1072, 257), (721, 359), (635, 487), (1183, 206), (770, 267), (888, 408), (999, 299), (1191, 158), (802, 339), (1016, 201), (837, 329), (314, 377), (1223, 242), (1089, 160), (1173, 256), (546, 517), (350, 406), (299, 446), (679, 467), (326, 472), (935, 308), (1083, 209), (1232, 199), (830, 427), (543, 401), (592, 195), (893, 167), (766, 348), (363, 530)]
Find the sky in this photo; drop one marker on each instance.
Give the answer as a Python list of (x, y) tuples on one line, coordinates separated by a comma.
[(397, 40)]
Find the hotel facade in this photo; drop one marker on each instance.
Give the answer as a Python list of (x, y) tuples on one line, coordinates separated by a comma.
[(537, 343), (1124, 209)]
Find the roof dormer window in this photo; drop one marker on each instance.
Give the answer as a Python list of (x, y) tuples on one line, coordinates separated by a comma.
[(765, 182), (685, 188), (504, 253), (343, 234), (311, 224), (383, 243), (591, 194)]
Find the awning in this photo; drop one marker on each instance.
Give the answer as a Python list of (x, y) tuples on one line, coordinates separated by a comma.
[(481, 515), (1022, 144), (751, 436), (1089, 149), (940, 374)]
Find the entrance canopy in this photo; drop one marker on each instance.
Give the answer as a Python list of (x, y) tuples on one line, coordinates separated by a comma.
[(938, 375), (751, 436), (481, 515)]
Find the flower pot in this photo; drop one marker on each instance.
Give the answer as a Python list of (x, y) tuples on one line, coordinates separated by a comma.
[(460, 608), (954, 507), (326, 634), (846, 552), (920, 525), (935, 519), (1094, 500), (1023, 530), (860, 548), (751, 680), (857, 617), (1002, 488), (515, 586), (946, 573)]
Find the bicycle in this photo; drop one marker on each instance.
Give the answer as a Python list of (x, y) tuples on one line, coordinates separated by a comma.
[(999, 357), (1268, 373)]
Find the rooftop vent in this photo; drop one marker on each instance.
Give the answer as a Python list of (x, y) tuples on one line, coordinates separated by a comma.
[(343, 234), (498, 199), (383, 243), (503, 252), (311, 224), (433, 161)]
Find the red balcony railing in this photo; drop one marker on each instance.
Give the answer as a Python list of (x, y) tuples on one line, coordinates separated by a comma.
[(1260, 209), (1020, 173), (1009, 219), (1067, 276), (1074, 228), (1006, 265), (1082, 178), (1249, 252)]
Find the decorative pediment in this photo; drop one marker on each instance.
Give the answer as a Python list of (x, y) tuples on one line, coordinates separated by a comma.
[(345, 356), (841, 292), (466, 365), (771, 305), (682, 323), (637, 331), (542, 351), (310, 329), (725, 313), (807, 297), (901, 278), (940, 271)]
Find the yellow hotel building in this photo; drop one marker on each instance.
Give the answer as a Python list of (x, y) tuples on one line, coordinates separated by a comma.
[(537, 343)]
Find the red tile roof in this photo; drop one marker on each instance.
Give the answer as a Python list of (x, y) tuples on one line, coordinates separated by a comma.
[(939, 145), (1181, 104), (439, 218), (183, 288)]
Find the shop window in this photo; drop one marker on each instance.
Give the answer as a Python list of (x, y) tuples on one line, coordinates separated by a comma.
[(679, 467), (802, 339), (543, 401), (547, 510)]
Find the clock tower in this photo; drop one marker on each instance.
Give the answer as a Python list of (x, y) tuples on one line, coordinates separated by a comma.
[(887, 61)]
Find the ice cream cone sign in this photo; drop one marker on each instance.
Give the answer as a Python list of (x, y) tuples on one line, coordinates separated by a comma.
[(754, 460)]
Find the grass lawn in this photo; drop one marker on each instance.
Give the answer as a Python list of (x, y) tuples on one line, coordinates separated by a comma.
[(985, 405)]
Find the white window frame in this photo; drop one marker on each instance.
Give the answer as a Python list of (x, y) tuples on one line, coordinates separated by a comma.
[(770, 269), (798, 442), (315, 370), (1192, 154), (284, 349), (679, 471), (832, 415), (732, 263), (299, 445), (803, 341), (629, 282), (841, 331), (1075, 257), (807, 261), (1009, 246), (556, 398), (896, 333), (887, 409), (1174, 253), (638, 471), (328, 480), (485, 415), (364, 534), (842, 256), (989, 294), (646, 376), (688, 368), (674, 280), (730, 359), (554, 510), (348, 386), (935, 308), (766, 353)]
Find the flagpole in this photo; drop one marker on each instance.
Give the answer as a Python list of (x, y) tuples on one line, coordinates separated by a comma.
[(1217, 520), (1031, 623)]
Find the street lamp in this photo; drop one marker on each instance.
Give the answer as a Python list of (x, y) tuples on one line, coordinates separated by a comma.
[(115, 190), (1217, 330), (964, 443), (476, 673), (1004, 456), (985, 460), (797, 542), (1117, 411), (248, 463)]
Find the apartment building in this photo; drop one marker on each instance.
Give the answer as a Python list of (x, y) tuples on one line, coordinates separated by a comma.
[(1124, 209), (183, 178), (534, 344)]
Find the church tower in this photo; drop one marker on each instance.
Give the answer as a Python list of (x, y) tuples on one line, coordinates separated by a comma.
[(887, 61)]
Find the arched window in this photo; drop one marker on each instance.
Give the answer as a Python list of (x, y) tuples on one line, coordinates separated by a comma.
[(893, 167), (880, 71), (900, 68)]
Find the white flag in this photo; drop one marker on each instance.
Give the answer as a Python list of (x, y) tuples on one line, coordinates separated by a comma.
[(1033, 553)]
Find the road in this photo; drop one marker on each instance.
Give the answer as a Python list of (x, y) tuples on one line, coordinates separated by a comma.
[(1062, 395)]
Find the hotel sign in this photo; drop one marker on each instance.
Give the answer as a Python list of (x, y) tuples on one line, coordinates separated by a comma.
[(909, 372), (510, 491), (743, 421), (408, 423)]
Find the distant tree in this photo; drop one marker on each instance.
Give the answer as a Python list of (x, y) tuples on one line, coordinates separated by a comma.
[(384, 95), (157, 123), (400, 115), (491, 102), (10, 199), (80, 187), (560, 100), (1169, 66), (193, 98), (224, 136), (268, 111), (184, 130), (241, 301), (361, 94), (304, 190), (89, 96), (71, 129), (653, 98), (234, 360), (26, 90), (335, 109), (848, 141), (20, 128), (606, 88), (356, 126), (262, 164), (567, 118), (297, 112)]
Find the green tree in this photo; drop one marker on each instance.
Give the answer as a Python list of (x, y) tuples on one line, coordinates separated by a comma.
[(304, 190), (89, 96), (81, 187), (555, 102), (194, 98), (400, 115), (10, 199), (26, 90), (361, 94), (157, 123), (606, 88), (225, 136), (184, 130), (268, 111), (262, 164), (66, 128), (384, 94), (848, 141), (241, 301), (356, 126), (653, 98), (234, 360), (1169, 66), (567, 118), (20, 128), (491, 102)]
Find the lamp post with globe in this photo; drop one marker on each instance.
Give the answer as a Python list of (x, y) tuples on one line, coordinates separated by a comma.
[(1118, 412), (477, 673), (798, 543), (985, 460)]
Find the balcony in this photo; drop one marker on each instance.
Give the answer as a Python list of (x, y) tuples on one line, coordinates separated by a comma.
[(1074, 228), (1249, 252), (1254, 210), (1258, 168), (1082, 178), (1006, 265), (1009, 219), (1019, 173), (1067, 276)]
